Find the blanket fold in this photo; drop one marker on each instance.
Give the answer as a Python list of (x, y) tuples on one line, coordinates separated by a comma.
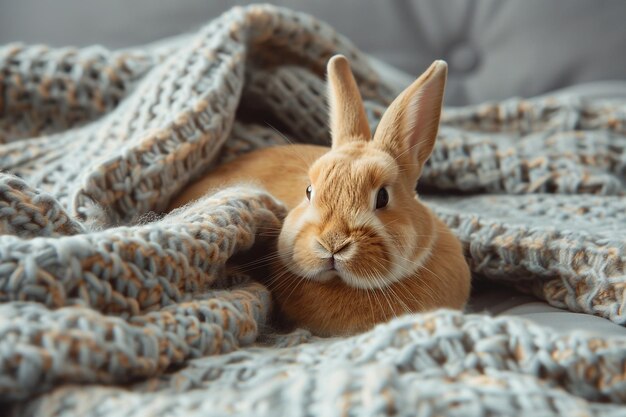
[(96, 288)]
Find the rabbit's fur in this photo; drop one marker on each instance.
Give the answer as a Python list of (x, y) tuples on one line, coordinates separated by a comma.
[(344, 265)]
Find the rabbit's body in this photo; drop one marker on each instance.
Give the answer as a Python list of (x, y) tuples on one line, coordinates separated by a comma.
[(357, 246), (281, 170), (333, 307)]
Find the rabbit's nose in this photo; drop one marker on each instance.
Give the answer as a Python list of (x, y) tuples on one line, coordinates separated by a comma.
[(333, 248), (340, 247)]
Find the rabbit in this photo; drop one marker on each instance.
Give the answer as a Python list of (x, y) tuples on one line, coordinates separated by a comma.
[(357, 246)]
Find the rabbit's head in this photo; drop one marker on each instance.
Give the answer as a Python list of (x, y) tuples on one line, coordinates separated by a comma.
[(360, 218)]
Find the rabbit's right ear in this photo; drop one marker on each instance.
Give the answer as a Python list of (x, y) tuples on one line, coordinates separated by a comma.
[(348, 121), (408, 129)]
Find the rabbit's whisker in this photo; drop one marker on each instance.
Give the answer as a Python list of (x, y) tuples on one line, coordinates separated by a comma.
[(304, 163)]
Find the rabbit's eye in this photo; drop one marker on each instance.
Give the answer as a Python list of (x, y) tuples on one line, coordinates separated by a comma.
[(382, 198), (308, 192)]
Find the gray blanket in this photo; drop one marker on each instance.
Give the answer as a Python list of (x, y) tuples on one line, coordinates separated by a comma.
[(109, 309)]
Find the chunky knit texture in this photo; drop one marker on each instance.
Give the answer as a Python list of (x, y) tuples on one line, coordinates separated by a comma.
[(108, 309)]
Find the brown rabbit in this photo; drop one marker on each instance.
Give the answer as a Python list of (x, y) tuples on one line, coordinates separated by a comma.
[(357, 247)]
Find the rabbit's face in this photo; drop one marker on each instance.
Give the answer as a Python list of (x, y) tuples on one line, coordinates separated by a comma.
[(358, 221)]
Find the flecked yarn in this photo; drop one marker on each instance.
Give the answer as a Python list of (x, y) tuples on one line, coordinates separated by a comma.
[(109, 309)]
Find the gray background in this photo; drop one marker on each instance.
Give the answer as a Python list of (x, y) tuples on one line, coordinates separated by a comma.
[(496, 48)]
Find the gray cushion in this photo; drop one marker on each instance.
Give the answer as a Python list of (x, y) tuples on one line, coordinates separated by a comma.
[(495, 300)]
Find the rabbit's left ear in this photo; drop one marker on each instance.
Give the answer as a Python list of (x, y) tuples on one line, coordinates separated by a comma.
[(348, 121), (409, 127)]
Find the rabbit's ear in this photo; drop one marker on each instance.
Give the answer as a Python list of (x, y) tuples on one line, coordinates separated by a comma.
[(348, 121), (408, 129)]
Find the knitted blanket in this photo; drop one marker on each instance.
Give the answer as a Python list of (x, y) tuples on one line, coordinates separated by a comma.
[(109, 308)]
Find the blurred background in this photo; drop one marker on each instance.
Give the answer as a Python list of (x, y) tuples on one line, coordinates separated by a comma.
[(495, 48)]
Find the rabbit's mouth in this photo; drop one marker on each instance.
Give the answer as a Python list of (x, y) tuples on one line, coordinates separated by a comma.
[(327, 275), (338, 269), (327, 269)]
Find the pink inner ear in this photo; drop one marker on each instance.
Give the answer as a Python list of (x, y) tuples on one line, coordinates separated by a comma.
[(422, 124), (420, 118), (408, 129)]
